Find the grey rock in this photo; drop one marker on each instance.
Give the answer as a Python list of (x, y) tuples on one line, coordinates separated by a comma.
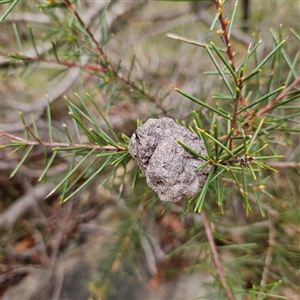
[(168, 167)]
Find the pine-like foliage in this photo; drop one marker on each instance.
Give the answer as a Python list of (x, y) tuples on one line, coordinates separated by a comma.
[(250, 127)]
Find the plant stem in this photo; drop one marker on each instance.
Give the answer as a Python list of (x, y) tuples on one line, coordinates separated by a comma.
[(107, 64), (225, 36), (102, 55), (87, 67), (238, 82), (60, 145), (234, 116), (215, 255)]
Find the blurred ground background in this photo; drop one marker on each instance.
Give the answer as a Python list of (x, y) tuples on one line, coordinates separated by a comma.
[(53, 251)]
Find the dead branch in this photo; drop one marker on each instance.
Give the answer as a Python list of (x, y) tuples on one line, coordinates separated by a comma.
[(268, 260), (150, 257), (17, 271), (55, 92), (215, 255), (24, 204)]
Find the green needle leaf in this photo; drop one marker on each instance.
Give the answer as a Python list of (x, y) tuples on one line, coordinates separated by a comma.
[(191, 150), (245, 192), (202, 166), (217, 175), (205, 140), (262, 98), (48, 110), (33, 40), (220, 71), (103, 117), (67, 182), (216, 135), (14, 3), (16, 33), (217, 142), (221, 56), (226, 141), (83, 175), (264, 166), (232, 17), (255, 135), (197, 122), (66, 130), (135, 176), (47, 167), (293, 31), (194, 99), (216, 18), (264, 61), (21, 162), (201, 198), (87, 181), (71, 173)]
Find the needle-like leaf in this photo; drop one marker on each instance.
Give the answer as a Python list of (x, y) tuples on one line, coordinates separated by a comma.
[(220, 72), (210, 108), (19, 165)]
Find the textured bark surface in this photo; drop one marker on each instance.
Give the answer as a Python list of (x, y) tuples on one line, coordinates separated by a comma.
[(168, 167)]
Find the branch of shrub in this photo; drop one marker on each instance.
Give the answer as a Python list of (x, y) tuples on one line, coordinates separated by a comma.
[(87, 67), (224, 34), (59, 145), (106, 63)]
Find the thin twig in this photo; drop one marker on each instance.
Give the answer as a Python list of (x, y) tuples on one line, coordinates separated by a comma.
[(102, 55), (268, 260), (59, 88), (106, 63), (215, 255), (32, 133), (87, 67), (60, 145), (18, 271), (284, 164)]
